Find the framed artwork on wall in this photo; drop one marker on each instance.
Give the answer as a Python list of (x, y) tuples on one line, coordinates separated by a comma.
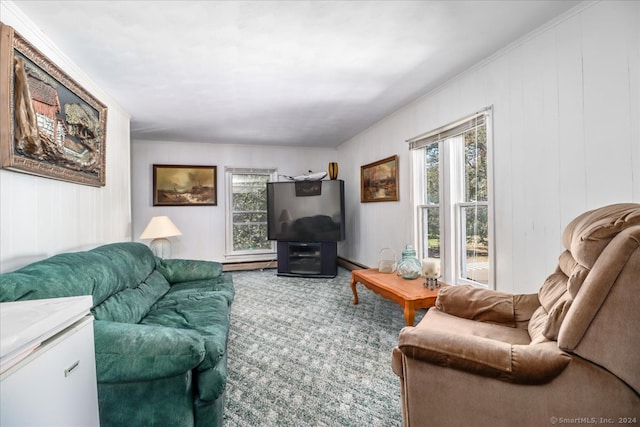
[(50, 126), (176, 185), (379, 181), (308, 188)]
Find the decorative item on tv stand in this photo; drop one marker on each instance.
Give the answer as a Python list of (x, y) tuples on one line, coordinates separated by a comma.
[(387, 260), (333, 170), (409, 267), (431, 272)]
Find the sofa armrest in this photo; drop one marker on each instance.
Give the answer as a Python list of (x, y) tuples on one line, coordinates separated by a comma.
[(134, 352), (519, 364), (185, 270), (486, 305)]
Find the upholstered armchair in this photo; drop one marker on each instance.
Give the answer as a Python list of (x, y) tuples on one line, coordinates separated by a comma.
[(569, 354)]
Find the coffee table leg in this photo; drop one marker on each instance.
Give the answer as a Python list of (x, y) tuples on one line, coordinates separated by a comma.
[(353, 289), (409, 313)]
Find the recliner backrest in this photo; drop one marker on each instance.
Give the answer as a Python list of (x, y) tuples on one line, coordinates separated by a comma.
[(556, 296), (584, 239), (601, 324)]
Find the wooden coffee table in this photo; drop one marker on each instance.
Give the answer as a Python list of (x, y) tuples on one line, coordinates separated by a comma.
[(410, 294)]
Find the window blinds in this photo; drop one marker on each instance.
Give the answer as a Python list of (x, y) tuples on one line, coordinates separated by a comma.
[(449, 130)]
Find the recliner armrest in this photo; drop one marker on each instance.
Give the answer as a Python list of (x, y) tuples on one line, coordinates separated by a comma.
[(519, 364), (487, 305), (133, 352)]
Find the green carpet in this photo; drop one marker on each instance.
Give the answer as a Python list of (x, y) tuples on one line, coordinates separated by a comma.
[(301, 354)]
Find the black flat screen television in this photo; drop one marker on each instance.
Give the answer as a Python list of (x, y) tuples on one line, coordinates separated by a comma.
[(306, 211)]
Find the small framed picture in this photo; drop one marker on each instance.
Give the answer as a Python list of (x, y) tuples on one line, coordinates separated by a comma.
[(308, 188), (379, 181)]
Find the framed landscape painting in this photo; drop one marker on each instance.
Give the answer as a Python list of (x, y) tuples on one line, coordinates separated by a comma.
[(50, 126), (379, 181), (175, 185)]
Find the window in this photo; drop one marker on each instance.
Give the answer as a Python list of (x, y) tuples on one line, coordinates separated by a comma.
[(451, 194), (247, 211)]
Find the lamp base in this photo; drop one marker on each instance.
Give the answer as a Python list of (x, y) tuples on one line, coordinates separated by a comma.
[(161, 247)]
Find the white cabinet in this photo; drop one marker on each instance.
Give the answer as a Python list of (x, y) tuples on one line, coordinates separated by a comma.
[(48, 364)]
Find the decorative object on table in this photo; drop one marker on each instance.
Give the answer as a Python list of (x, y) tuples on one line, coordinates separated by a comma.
[(333, 170), (387, 262), (311, 176), (409, 267), (158, 229), (379, 181), (51, 126), (175, 185), (431, 272)]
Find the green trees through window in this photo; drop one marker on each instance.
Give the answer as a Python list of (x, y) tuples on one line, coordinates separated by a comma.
[(474, 211), (453, 198), (248, 211)]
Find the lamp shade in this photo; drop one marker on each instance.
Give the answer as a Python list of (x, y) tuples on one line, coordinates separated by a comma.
[(159, 227), (285, 215)]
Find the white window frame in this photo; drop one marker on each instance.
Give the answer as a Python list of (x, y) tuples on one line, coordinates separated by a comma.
[(451, 189), (244, 255)]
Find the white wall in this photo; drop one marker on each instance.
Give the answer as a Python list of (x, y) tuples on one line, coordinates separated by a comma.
[(40, 217), (566, 122), (203, 227)]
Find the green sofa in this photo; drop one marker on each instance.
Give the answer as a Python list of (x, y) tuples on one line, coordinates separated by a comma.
[(161, 328)]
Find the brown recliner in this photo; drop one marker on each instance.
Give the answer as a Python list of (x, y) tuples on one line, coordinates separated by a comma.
[(569, 355)]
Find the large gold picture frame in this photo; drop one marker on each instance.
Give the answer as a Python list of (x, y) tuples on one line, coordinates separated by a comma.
[(177, 185), (49, 125), (379, 181)]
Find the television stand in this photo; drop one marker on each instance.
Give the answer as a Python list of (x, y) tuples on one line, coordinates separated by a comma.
[(307, 259)]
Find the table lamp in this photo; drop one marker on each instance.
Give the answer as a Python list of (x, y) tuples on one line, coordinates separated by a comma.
[(158, 229), (285, 218)]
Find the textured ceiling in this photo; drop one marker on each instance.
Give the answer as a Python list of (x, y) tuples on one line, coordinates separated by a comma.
[(305, 73)]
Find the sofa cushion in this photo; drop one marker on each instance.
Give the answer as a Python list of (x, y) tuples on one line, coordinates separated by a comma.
[(130, 305), (133, 262), (460, 326), (537, 325), (490, 350), (556, 297), (206, 314), (213, 381), (64, 275), (127, 352), (221, 285), (552, 290), (182, 270), (556, 316)]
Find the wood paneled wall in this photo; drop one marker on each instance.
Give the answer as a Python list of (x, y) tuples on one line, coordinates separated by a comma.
[(566, 138), (40, 217)]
